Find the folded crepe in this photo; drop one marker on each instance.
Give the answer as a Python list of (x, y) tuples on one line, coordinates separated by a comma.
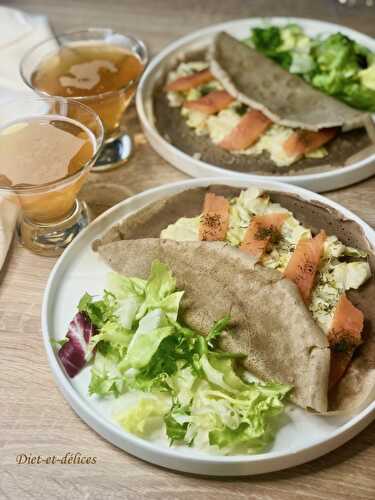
[(267, 312), (357, 387), (286, 99)]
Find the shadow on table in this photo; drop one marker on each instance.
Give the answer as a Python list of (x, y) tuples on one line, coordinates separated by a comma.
[(358, 444)]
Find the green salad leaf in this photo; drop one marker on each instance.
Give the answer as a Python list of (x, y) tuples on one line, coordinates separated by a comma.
[(269, 41), (106, 378), (160, 292), (245, 420), (145, 416), (335, 64), (176, 422), (367, 77), (130, 294), (152, 329), (99, 311), (181, 384)]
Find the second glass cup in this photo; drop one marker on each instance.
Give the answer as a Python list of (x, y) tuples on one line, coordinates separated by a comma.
[(98, 67)]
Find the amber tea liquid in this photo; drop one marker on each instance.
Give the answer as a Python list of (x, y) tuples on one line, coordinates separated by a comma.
[(104, 75), (42, 150)]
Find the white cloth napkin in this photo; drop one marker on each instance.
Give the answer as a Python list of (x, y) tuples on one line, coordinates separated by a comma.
[(18, 33)]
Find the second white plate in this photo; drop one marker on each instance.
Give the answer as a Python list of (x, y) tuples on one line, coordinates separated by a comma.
[(319, 182)]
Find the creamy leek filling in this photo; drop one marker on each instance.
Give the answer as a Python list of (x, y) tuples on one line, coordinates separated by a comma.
[(221, 124), (176, 99), (342, 268)]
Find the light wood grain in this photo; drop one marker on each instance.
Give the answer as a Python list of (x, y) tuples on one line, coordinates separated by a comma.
[(34, 417)]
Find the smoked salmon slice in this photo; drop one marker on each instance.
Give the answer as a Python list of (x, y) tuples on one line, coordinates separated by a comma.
[(211, 103), (248, 130), (261, 231), (190, 82), (215, 218), (305, 141), (344, 336), (304, 263)]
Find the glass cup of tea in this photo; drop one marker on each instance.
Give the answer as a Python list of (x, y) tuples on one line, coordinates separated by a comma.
[(97, 67), (47, 148)]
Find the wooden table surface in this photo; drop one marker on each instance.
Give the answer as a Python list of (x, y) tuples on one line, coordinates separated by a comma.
[(34, 417)]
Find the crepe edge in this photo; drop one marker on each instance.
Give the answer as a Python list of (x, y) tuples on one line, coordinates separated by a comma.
[(221, 74)]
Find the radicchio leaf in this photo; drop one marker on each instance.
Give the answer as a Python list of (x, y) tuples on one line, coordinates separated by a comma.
[(73, 353)]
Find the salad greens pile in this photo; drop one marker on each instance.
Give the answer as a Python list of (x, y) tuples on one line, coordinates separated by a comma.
[(335, 65), (185, 387)]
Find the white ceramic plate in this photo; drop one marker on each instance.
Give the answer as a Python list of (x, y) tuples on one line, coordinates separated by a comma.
[(79, 269), (319, 182)]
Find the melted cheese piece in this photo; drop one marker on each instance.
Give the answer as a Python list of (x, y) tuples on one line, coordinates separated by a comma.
[(222, 124)]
